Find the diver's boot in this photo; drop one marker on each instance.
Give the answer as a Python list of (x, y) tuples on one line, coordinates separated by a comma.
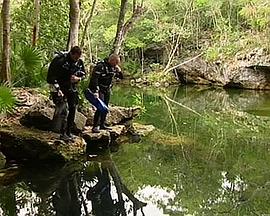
[(65, 137), (70, 135), (104, 127), (95, 130)]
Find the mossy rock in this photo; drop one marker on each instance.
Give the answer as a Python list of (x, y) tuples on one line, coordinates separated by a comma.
[(21, 143)]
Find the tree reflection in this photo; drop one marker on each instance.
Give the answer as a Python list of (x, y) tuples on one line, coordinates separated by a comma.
[(66, 198), (97, 189), (104, 177)]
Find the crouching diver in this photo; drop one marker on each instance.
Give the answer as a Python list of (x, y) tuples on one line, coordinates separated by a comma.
[(65, 72), (101, 83)]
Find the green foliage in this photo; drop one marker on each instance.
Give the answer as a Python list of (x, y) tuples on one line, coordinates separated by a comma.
[(134, 43), (22, 19), (220, 27), (257, 14), (27, 67), (212, 53), (54, 25), (131, 66), (158, 78), (109, 34), (113, 4), (7, 100), (228, 49), (138, 101), (28, 63)]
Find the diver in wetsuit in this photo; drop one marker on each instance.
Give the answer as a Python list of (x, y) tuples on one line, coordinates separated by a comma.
[(101, 83), (65, 72)]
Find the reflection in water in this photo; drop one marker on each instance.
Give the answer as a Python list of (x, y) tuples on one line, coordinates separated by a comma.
[(26, 208), (66, 199), (100, 194), (91, 188), (159, 199), (106, 183), (226, 139), (76, 189), (236, 184), (230, 191)]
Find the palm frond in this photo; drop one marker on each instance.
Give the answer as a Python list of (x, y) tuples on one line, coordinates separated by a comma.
[(27, 66), (31, 58), (7, 99)]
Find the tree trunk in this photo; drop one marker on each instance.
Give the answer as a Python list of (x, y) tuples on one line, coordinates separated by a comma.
[(74, 16), (5, 69), (1, 31), (88, 22), (134, 18), (36, 22), (119, 33), (124, 28)]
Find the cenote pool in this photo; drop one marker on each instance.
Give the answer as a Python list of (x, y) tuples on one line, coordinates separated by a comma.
[(209, 155)]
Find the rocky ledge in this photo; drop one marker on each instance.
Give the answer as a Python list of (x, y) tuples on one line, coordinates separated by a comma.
[(27, 133), (247, 71), (250, 70), (23, 144)]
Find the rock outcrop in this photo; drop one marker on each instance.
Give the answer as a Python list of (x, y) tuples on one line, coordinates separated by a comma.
[(23, 144), (36, 110), (117, 115), (251, 77), (41, 117), (247, 71), (250, 70), (104, 138), (200, 72), (28, 133)]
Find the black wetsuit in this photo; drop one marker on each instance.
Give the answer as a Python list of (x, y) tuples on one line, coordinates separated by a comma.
[(60, 71), (101, 82)]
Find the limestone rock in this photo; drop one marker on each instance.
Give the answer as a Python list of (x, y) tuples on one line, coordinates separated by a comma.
[(79, 121), (136, 131), (28, 98), (21, 143), (104, 138), (252, 77), (117, 115), (26, 133), (143, 130), (199, 71), (120, 115), (41, 117), (248, 71)]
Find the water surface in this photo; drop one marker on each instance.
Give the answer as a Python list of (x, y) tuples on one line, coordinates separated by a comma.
[(209, 155)]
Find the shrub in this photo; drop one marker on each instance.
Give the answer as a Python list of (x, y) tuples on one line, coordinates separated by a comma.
[(27, 67), (7, 99)]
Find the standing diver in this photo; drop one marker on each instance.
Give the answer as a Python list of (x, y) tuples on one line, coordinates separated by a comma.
[(101, 83), (65, 72)]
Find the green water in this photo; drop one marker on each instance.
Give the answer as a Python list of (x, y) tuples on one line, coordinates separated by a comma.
[(211, 157)]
